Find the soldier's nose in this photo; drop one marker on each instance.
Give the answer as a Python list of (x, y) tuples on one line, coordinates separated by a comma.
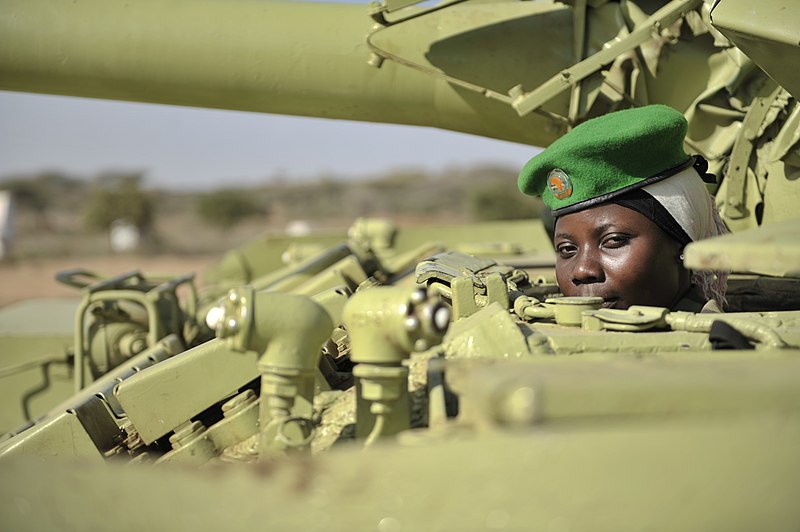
[(588, 269)]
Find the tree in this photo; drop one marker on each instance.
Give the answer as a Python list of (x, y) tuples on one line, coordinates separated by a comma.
[(502, 203), (37, 194), (119, 197)]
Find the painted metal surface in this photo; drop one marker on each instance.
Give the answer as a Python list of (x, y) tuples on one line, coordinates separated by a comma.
[(524, 413)]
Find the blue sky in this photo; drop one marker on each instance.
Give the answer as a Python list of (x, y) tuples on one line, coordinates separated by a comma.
[(180, 147)]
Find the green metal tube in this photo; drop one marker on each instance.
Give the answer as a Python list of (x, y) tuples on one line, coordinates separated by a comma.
[(280, 57)]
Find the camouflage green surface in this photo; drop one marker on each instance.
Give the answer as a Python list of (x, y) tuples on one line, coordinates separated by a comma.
[(699, 476), (624, 421)]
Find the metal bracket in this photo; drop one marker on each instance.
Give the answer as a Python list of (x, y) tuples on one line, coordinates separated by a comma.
[(735, 207), (97, 420), (154, 295), (448, 265), (579, 31), (635, 319), (467, 300), (532, 101), (528, 102), (389, 6)]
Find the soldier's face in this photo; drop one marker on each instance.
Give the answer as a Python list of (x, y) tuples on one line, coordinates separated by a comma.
[(618, 254)]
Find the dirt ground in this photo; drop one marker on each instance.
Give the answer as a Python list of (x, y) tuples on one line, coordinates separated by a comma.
[(36, 277)]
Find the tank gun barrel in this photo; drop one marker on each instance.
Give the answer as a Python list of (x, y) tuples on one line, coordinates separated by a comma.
[(294, 58)]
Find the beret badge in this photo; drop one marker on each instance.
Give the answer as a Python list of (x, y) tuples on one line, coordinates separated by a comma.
[(559, 183)]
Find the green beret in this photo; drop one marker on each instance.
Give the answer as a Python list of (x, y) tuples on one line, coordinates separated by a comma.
[(607, 156)]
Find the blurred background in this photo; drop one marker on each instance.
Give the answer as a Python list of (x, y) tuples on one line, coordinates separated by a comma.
[(112, 185)]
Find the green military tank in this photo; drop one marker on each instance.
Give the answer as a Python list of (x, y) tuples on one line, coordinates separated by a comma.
[(388, 383)]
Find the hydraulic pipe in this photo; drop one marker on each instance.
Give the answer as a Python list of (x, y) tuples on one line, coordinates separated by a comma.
[(289, 331)]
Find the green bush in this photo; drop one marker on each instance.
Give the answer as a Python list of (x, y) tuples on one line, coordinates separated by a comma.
[(227, 207)]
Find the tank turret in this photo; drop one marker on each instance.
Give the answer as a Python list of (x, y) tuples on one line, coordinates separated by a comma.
[(444, 384)]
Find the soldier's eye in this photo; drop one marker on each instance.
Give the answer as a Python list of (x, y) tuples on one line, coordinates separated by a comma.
[(566, 250), (616, 240)]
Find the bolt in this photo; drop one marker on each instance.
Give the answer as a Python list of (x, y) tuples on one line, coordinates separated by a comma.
[(186, 433), (441, 318), (238, 403), (418, 297), (375, 60), (215, 317)]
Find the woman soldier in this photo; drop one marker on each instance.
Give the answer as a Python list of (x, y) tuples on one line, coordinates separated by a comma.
[(626, 200)]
